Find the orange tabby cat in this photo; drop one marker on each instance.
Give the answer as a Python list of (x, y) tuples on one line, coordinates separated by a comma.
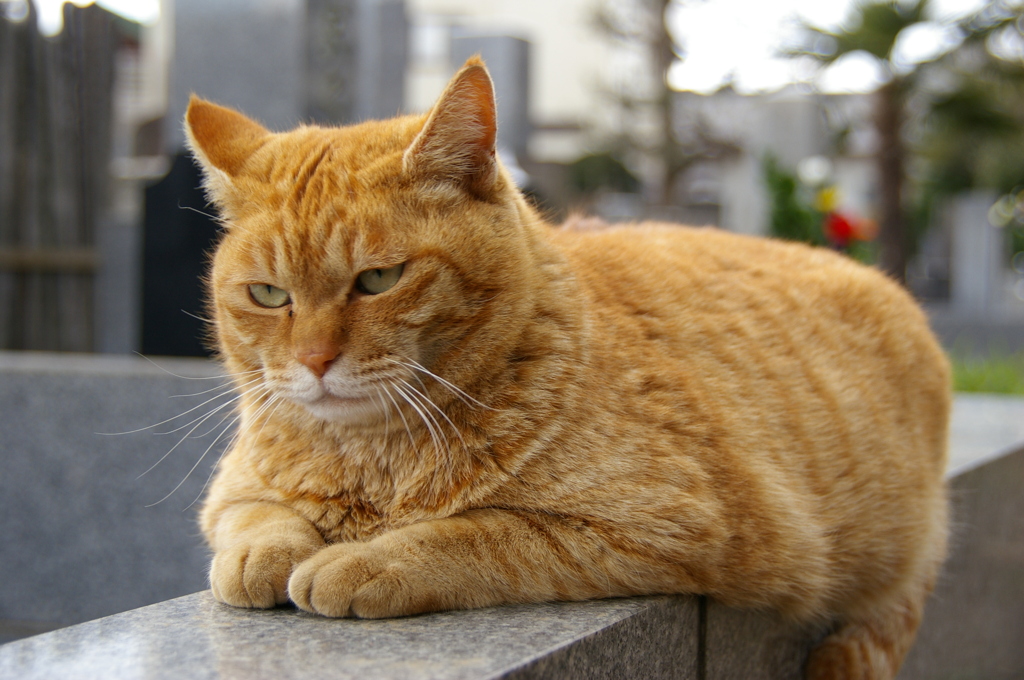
[(447, 403)]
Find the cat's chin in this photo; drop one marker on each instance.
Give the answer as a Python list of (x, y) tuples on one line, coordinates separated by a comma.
[(344, 410)]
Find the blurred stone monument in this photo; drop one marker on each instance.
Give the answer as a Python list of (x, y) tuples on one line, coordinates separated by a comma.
[(977, 255)]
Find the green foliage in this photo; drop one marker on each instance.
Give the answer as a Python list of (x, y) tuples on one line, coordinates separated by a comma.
[(998, 373), (965, 125), (974, 136), (971, 132), (1016, 240), (601, 171), (873, 28), (791, 216)]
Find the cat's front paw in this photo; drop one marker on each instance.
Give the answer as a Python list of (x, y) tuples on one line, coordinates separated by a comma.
[(366, 580), (255, 575)]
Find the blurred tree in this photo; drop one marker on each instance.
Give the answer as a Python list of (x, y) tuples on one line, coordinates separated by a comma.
[(594, 172), (648, 127), (973, 133), (972, 125), (873, 28)]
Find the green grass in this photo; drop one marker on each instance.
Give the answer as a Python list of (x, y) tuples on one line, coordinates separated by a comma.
[(997, 373)]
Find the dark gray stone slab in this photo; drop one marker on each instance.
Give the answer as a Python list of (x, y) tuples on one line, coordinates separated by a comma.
[(755, 645), (974, 623), (196, 637), (77, 538)]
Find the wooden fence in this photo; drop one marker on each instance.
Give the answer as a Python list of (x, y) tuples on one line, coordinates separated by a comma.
[(55, 129)]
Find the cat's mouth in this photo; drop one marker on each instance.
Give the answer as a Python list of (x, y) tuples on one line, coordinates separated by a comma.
[(334, 399), (342, 408)]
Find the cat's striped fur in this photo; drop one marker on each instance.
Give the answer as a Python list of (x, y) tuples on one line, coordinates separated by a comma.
[(538, 414)]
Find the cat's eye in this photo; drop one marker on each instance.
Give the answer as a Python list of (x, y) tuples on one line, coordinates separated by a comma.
[(376, 281), (266, 295)]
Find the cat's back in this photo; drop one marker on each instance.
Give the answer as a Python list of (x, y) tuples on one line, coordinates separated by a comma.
[(710, 270), (781, 333), (684, 278)]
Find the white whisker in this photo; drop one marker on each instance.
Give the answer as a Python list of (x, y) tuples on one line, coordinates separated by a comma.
[(214, 389), (238, 396), (276, 401), (188, 434), (226, 392), (425, 417), (204, 417), (210, 431), (457, 391), (430, 402), (189, 473), (205, 377), (198, 423), (401, 415), (387, 410)]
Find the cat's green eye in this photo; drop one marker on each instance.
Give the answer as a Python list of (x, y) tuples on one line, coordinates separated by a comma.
[(266, 295), (376, 281)]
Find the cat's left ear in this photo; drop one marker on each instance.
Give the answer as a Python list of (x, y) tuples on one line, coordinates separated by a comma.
[(457, 143), (222, 140)]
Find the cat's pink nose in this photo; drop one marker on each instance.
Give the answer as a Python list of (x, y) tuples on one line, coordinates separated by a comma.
[(317, 359)]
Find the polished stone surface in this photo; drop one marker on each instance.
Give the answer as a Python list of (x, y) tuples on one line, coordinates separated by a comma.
[(196, 637), (659, 641)]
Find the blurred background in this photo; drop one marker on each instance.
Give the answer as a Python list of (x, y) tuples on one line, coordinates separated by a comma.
[(893, 131)]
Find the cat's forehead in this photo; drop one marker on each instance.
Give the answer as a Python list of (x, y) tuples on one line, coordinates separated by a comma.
[(315, 176), (336, 239), (325, 237), (362, 156)]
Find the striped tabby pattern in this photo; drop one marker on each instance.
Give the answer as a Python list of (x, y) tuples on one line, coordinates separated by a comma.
[(448, 403)]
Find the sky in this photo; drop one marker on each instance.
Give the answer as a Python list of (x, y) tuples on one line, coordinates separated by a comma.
[(739, 40), (735, 41), (50, 11)]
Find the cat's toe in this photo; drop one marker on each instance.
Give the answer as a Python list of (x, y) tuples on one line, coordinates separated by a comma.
[(320, 585), (390, 594), (251, 576), (327, 583)]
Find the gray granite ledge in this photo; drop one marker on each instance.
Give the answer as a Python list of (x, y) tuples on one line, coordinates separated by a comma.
[(106, 365), (196, 637)]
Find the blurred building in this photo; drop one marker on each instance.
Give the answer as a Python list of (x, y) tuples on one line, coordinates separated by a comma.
[(560, 81)]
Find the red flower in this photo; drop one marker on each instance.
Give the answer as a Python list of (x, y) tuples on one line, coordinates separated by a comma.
[(839, 229)]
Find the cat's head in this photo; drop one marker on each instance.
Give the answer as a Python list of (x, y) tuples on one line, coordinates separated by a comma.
[(356, 259)]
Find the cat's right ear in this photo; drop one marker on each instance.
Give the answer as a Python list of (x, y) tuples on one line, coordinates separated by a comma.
[(222, 140)]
